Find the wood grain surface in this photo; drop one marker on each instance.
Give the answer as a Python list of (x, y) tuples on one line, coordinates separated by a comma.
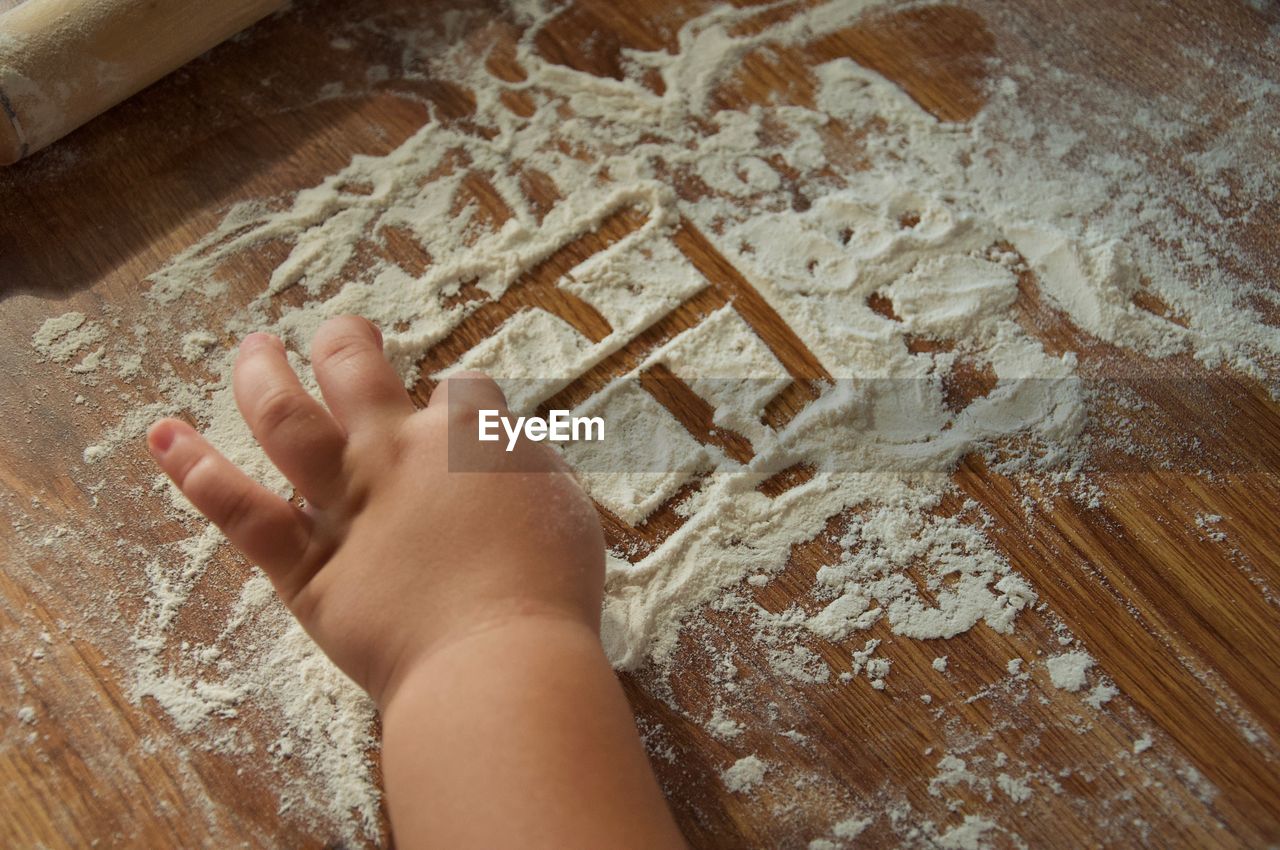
[(1182, 622)]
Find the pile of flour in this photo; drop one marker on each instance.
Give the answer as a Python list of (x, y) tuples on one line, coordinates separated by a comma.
[(939, 223)]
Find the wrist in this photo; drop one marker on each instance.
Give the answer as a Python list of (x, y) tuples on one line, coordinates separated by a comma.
[(518, 734), (494, 642)]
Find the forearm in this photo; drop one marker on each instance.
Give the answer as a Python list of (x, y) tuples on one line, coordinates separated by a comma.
[(519, 736)]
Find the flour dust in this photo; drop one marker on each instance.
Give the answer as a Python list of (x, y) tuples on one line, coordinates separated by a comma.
[(894, 245)]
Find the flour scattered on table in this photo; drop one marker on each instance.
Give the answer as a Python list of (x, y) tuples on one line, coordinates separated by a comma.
[(1101, 695), (1208, 523), (1069, 670), (61, 337), (1017, 789), (744, 774), (901, 260)]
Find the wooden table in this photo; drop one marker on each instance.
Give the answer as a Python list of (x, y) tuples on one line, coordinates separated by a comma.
[(1183, 623)]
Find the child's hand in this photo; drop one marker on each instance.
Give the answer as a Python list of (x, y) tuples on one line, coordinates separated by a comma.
[(393, 556), (467, 603)]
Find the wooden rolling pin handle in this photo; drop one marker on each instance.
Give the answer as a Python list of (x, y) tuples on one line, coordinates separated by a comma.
[(64, 61)]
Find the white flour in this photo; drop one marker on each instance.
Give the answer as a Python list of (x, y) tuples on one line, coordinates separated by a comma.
[(926, 228), (62, 336), (1069, 670), (744, 774)]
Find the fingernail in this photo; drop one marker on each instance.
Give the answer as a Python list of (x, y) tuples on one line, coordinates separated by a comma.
[(254, 340), (160, 438), (377, 331)]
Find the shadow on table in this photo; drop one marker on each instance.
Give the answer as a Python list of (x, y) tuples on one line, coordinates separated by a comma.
[(265, 114)]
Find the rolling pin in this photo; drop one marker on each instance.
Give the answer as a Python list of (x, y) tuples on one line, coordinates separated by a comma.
[(64, 61)]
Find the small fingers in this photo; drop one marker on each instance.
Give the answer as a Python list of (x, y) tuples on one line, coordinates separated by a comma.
[(268, 530), (358, 383), (296, 432)]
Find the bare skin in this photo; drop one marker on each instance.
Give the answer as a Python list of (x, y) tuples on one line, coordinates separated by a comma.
[(467, 603)]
